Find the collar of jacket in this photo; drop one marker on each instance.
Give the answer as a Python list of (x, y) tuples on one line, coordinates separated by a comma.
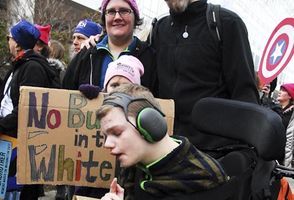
[(288, 108), (22, 57), (57, 64), (23, 54), (103, 44), (176, 154), (193, 10)]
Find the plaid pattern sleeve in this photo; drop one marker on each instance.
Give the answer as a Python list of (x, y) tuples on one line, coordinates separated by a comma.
[(185, 170)]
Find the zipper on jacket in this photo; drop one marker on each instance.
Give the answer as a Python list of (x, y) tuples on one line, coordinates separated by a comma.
[(91, 72)]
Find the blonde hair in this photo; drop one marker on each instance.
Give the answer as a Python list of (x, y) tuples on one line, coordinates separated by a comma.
[(135, 91), (56, 49)]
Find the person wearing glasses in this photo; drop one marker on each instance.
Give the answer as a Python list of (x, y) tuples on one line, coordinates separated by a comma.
[(119, 19)]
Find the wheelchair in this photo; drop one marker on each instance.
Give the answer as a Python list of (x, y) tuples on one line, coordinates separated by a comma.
[(251, 162)]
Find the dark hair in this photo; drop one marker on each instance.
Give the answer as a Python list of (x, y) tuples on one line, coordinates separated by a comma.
[(45, 51)]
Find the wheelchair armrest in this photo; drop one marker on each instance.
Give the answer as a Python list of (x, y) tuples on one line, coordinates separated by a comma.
[(246, 122), (281, 171)]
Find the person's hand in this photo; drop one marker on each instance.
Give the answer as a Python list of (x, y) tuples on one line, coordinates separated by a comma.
[(91, 41), (89, 91), (116, 192), (266, 89)]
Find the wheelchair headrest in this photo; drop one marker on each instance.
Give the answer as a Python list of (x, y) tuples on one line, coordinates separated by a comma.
[(246, 122)]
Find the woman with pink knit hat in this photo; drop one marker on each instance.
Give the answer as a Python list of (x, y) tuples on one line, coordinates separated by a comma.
[(286, 100), (126, 69), (87, 70)]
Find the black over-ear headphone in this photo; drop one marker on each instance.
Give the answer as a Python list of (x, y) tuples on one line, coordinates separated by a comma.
[(150, 121)]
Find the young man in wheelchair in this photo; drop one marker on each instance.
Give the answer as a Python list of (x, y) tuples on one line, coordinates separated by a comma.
[(154, 165)]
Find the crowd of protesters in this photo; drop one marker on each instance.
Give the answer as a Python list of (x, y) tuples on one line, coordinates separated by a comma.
[(179, 61)]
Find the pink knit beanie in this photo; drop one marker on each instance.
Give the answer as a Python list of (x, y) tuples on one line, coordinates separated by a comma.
[(127, 66), (289, 87), (132, 3)]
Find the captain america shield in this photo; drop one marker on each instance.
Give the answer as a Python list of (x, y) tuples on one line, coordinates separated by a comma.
[(278, 51)]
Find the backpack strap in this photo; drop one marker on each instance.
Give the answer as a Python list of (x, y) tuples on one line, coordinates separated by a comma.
[(153, 24), (214, 21)]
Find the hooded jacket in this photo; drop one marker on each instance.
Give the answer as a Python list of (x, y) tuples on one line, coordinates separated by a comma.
[(194, 67), (30, 70)]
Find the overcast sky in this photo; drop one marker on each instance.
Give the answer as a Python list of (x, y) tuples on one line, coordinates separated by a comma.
[(94, 4)]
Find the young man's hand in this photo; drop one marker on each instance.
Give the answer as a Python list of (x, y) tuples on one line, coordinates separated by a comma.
[(116, 192)]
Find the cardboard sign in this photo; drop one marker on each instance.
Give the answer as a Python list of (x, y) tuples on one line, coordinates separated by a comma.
[(75, 197), (60, 141), (5, 154)]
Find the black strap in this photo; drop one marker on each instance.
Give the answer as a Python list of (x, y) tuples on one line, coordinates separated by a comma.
[(214, 21), (154, 21)]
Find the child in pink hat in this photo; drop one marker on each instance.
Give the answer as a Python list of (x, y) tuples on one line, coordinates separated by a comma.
[(126, 69)]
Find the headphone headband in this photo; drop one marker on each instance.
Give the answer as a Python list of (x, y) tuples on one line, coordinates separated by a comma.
[(119, 99)]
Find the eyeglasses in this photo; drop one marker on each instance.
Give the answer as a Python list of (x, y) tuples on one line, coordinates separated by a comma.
[(8, 38), (122, 12)]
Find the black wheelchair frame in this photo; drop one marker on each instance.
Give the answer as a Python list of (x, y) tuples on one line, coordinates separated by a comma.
[(251, 161)]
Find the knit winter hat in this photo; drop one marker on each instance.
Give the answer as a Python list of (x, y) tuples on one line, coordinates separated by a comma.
[(127, 66), (45, 33), (132, 3), (88, 27), (25, 34), (289, 87)]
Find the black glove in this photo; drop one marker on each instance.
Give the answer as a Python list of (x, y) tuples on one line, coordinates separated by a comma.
[(90, 91)]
